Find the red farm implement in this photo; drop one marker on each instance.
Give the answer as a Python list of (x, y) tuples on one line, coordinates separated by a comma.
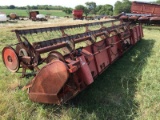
[(78, 14), (141, 12), (65, 60)]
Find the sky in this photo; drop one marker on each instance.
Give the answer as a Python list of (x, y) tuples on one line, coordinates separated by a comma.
[(66, 3)]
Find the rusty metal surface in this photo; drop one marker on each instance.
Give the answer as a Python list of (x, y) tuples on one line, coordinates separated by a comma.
[(10, 59), (155, 20), (143, 8), (141, 12), (50, 80), (59, 28), (68, 69), (133, 17), (143, 18)]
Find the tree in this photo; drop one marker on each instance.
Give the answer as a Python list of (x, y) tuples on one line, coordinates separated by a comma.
[(158, 1), (79, 7), (34, 7), (3, 7), (21, 8), (127, 6), (91, 6), (118, 7), (98, 8), (105, 9), (46, 7), (124, 6), (11, 7), (67, 10)]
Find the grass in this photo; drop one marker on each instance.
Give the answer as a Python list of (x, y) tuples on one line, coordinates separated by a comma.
[(128, 89), (24, 12)]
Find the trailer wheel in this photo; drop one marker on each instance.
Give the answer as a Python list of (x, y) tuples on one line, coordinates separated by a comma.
[(10, 59)]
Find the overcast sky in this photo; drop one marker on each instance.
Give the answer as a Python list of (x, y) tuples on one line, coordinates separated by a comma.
[(67, 3)]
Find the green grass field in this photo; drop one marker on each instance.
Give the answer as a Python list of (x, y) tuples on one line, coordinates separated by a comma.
[(128, 89), (24, 12)]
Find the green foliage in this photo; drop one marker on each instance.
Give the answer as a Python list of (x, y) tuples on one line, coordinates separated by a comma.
[(80, 7), (98, 7), (11, 7), (67, 10), (104, 9), (158, 1), (124, 6), (34, 7), (91, 6), (3, 7)]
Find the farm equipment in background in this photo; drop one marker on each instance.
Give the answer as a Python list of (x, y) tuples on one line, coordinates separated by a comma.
[(89, 18), (141, 12), (3, 17), (65, 60), (35, 16), (32, 14), (13, 16), (77, 14)]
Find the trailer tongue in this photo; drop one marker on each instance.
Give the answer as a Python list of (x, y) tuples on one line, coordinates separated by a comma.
[(66, 59)]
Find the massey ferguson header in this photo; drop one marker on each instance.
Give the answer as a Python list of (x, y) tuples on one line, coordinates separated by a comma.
[(64, 60)]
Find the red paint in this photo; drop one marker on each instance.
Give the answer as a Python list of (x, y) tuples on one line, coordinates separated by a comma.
[(145, 8), (114, 48), (92, 64), (77, 14), (101, 55), (84, 73)]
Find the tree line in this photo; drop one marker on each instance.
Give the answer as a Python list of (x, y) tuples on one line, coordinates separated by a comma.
[(34, 7), (107, 9), (88, 8)]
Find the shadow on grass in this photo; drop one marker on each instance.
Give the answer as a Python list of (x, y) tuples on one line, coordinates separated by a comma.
[(112, 95)]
